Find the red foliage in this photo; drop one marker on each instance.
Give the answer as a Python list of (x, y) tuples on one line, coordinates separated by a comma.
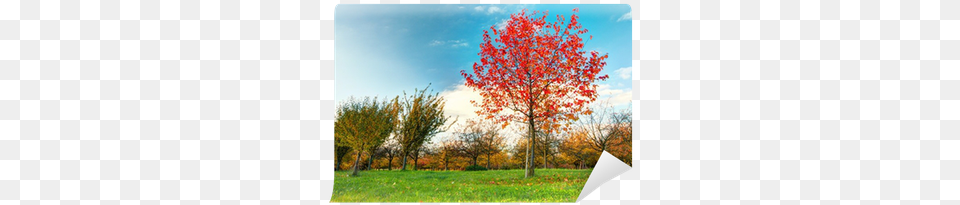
[(536, 70)]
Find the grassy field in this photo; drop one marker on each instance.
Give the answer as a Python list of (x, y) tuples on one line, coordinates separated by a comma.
[(550, 185)]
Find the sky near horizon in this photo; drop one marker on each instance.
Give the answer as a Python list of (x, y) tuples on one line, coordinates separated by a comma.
[(384, 50)]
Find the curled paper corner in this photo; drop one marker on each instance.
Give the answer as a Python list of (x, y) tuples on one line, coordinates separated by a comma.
[(606, 169)]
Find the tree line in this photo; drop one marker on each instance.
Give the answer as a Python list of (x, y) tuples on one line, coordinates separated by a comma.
[(484, 143)]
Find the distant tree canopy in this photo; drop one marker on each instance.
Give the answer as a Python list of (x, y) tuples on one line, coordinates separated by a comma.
[(485, 143), (577, 149), (364, 124), (478, 138), (572, 148), (448, 150)]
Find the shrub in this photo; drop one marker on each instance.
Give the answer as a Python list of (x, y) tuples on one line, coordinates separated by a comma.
[(475, 168)]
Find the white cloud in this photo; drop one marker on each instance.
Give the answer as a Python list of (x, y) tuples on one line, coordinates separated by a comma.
[(458, 106), (451, 43), (458, 43), (627, 16), (458, 102), (493, 9), (625, 73), (614, 96), (488, 10)]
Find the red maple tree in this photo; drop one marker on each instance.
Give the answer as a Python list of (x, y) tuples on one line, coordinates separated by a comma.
[(536, 72)]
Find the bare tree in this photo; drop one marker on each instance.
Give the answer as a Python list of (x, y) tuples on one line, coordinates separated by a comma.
[(389, 149), (622, 147), (602, 126), (493, 144), (470, 136), (548, 144), (418, 153), (479, 138)]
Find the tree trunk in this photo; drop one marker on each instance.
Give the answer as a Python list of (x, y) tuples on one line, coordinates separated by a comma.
[(488, 161), (475, 160), (544, 156), (356, 165), (532, 140), (337, 167), (390, 163), (403, 166), (415, 160), (370, 162)]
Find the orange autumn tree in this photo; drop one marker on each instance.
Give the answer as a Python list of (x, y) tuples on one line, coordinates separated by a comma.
[(535, 72)]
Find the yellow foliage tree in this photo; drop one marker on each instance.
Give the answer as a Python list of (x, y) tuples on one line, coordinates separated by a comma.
[(363, 124)]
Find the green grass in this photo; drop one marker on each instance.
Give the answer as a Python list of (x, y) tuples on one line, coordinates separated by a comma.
[(550, 185)]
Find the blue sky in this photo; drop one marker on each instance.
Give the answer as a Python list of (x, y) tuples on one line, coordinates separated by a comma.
[(383, 50)]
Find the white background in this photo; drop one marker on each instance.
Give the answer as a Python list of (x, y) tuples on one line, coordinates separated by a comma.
[(231, 102)]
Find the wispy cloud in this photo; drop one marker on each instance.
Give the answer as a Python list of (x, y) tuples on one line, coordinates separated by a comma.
[(451, 43), (494, 9), (626, 17), (488, 10), (614, 96), (625, 73)]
